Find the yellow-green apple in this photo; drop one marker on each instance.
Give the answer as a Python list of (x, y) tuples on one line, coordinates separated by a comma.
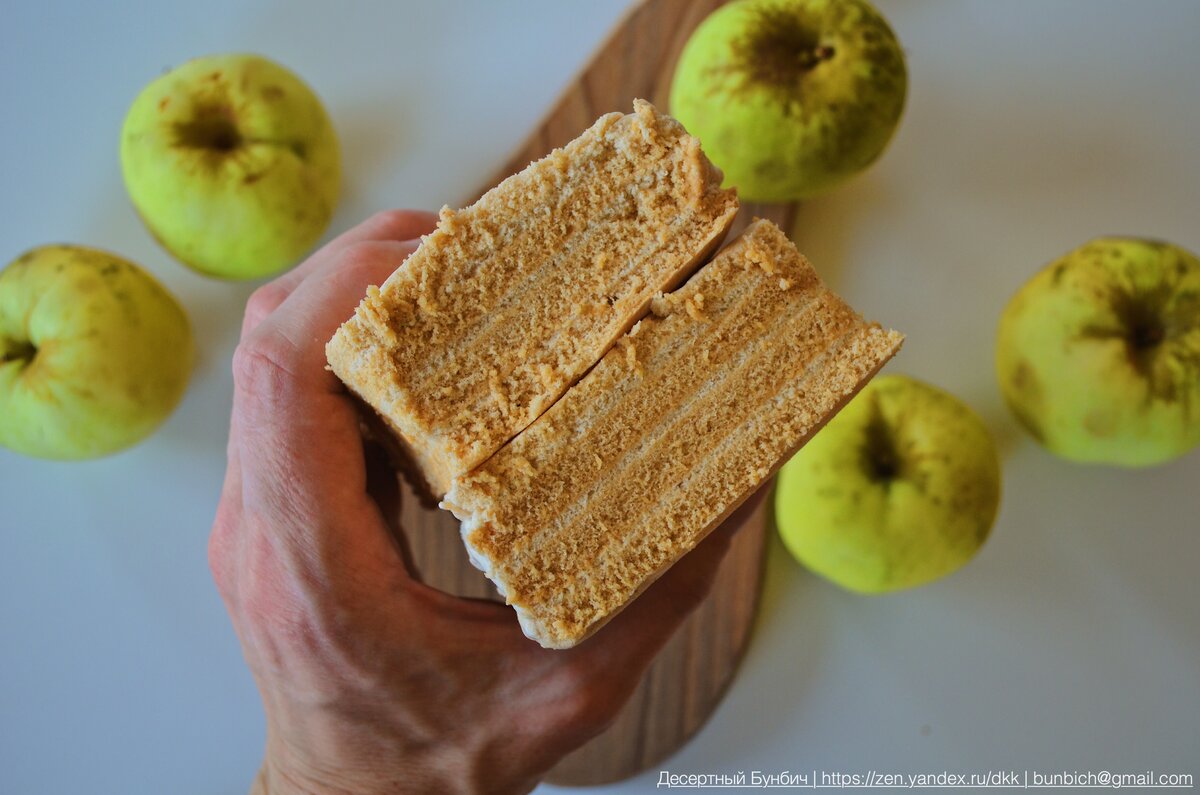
[(1098, 355), (899, 489), (791, 97), (233, 164), (94, 353)]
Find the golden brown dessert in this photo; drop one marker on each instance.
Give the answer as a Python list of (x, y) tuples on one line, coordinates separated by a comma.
[(511, 300), (681, 421)]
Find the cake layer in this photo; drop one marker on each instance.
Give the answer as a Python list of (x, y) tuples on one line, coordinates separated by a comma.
[(511, 300), (681, 421)]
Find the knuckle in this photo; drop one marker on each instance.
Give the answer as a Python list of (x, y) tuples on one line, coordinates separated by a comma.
[(402, 224), (265, 300), (368, 261), (362, 253), (256, 367), (391, 218), (220, 558)]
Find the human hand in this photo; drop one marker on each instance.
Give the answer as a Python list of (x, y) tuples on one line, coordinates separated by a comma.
[(372, 681)]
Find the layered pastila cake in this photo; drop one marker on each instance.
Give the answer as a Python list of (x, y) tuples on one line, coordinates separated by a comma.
[(511, 300), (682, 420)]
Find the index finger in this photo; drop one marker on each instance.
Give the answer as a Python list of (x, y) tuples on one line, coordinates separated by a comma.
[(293, 419), (397, 225)]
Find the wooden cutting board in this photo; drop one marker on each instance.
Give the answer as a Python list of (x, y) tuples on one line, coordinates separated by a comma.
[(688, 678)]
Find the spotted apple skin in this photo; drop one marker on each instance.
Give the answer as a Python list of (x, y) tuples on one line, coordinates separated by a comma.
[(791, 97), (900, 489), (233, 164), (1098, 355), (94, 353)]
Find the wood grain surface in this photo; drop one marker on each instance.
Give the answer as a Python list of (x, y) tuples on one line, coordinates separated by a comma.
[(687, 679)]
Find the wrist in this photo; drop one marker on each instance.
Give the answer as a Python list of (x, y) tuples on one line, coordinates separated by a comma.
[(417, 773), (272, 780), (319, 751)]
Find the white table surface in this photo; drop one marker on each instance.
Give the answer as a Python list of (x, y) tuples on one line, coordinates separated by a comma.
[(1071, 642)]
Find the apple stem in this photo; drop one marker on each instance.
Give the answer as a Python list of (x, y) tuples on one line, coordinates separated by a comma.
[(809, 58), (16, 350), (882, 459), (1147, 335), (212, 129)]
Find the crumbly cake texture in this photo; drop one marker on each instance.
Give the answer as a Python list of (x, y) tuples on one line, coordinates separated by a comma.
[(673, 429), (508, 302)]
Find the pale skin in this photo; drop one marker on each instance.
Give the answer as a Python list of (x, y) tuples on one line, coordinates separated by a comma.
[(372, 681)]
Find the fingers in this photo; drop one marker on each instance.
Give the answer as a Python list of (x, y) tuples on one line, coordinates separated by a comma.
[(303, 468), (285, 399), (397, 225), (296, 459), (390, 225), (292, 337)]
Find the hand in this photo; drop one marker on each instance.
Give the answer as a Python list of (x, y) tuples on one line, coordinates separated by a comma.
[(371, 680)]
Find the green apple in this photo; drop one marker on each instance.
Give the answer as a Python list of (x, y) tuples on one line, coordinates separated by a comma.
[(791, 97), (899, 489), (1098, 355), (94, 353), (233, 164)]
